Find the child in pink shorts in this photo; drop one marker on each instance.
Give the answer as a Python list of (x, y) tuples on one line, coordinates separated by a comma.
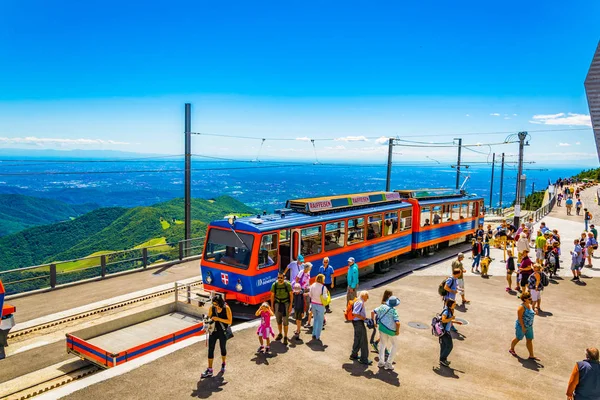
[(264, 331)]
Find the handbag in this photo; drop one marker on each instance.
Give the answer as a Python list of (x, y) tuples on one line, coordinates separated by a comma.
[(325, 300), (228, 331)]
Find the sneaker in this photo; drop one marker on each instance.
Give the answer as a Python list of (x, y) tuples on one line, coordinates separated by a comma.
[(207, 374), (328, 311), (389, 366), (223, 368), (368, 362), (260, 349), (445, 363), (380, 364), (285, 341), (353, 357), (267, 349), (279, 337), (508, 289), (314, 337)]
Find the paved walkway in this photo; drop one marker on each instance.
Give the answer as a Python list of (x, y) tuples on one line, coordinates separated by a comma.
[(43, 304)]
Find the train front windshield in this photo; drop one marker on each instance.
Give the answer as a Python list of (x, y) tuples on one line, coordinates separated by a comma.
[(229, 248)]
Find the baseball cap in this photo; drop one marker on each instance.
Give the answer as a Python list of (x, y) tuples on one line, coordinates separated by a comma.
[(300, 258), (351, 259), (461, 255)]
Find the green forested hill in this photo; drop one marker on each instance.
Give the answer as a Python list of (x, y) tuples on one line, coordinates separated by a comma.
[(18, 212), (111, 229)]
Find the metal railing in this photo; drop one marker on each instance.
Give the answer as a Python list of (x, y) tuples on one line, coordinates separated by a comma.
[(544, 209), (56, 274)]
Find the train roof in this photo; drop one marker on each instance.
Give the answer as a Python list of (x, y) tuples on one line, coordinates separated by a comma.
[(328, 204), (275, 221)]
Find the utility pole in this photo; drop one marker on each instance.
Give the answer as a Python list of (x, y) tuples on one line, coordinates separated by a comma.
[(188, 172), (501, 180), (492, 180), (458, 163), (389, 165), (522, 136)]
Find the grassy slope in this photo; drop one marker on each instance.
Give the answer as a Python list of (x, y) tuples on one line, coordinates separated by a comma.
[(18, 212)]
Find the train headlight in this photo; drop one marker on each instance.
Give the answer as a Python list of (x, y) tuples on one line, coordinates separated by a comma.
[(238, 286), (209, 278)]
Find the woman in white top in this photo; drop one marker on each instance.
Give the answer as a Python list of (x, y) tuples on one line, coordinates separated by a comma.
[(318, 289), (522, 244)]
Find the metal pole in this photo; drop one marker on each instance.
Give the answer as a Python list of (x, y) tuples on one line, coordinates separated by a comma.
[(389, 165), (458, 163), (501, 180), (522, 136), (188, 170), (492, 180)]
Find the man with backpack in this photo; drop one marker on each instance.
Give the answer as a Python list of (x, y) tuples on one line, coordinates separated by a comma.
[(281, 303), (361, 343), (587, 217)]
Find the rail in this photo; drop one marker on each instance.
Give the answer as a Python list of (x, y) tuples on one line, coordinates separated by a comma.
[(545, 208), (56, 274)]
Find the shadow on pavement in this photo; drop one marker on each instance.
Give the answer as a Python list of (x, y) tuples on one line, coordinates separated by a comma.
[(386, 376), (207, 387), (316, 345), (544, 314), (533, 365), (447, 372), (277, 348), (580, 283)]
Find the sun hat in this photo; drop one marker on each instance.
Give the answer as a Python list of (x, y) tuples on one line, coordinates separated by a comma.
[(393, 301), (351, 259)]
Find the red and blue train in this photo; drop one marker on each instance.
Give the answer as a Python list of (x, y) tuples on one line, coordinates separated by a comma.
[(242, 256)]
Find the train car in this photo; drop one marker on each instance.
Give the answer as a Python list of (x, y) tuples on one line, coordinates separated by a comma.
[(442, 217), (242, 256)]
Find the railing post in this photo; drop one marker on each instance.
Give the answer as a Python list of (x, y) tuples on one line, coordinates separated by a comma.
[(145, 257), (181, 250), (175, 292), (52, 276), (189, 294), (103, 265)]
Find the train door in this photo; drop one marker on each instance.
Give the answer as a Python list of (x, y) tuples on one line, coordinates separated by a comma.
[(289, 244)]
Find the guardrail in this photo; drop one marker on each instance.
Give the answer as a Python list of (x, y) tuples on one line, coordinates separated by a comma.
[(544, 209), (56, 274)]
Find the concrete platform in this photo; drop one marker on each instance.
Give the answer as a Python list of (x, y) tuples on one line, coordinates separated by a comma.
[(143, 332), (43, 304)]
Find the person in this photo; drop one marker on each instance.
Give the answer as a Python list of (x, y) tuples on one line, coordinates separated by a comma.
[(525, 270), (479, 232), (587, 217), (487, 237), (569, 205), (352, 279), (544, 228), (524, 326), (375, 343), (328, 271), (317, 292), (388, 324), (460, 281), (510, 269), (594, 231), (436, 218), (477, 251), (522, 244), (578, 205), (553, 258), (221, 315), (426, 222), (448, 319), (298, 307), (294, 267), (359, 314), (304, 280), (535, 288), (529, 224), (590, 245), (281, 304), (576, 257), (584, 383), (451, 285), (264, 331), (540, 247), (559, 199)]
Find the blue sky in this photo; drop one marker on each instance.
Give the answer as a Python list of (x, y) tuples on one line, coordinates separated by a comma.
[(115, 75)]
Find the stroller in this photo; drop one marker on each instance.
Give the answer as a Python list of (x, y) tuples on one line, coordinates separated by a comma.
[(551, 263)]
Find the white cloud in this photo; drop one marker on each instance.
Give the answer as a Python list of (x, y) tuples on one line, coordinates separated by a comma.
[(35, 141), (562, 119), (514, 115), (577, 143), (352, 139), (303, 139), (561, 144), (495, 114), (382, 140), (506, 117)]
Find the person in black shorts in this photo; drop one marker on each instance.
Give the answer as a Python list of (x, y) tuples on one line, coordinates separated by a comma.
[(298, 308), (510, 269)]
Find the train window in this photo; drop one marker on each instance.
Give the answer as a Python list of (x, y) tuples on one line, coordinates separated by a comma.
[(311, 240), (455, 212), (406, 219), (374, 227), (356, 230), (425, 216), (464, 210), (437, 214), (268, 252), (391, 223), (226, 247), (335, 233), (446, 214), (473, 209)]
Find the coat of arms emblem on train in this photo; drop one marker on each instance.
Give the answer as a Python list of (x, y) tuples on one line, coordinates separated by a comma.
[(224, 278)]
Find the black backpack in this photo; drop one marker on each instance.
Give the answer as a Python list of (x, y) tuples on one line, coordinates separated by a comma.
[(442, 288), (544, 279)]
